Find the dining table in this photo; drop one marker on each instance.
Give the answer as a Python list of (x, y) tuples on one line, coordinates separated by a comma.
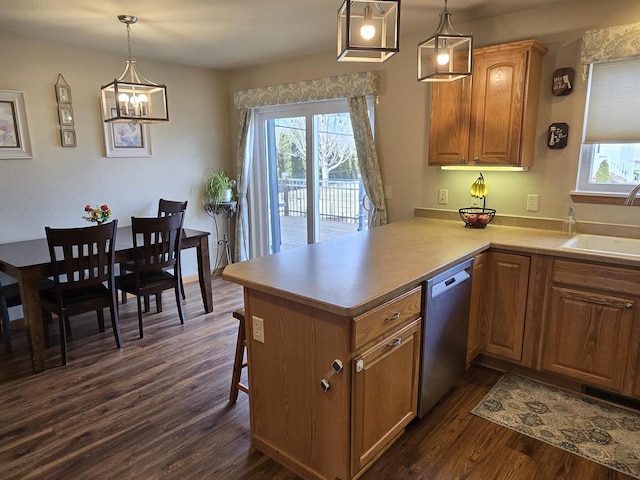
[(29, 262)]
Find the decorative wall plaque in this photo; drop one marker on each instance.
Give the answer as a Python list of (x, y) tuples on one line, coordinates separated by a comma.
[(563, 81), (558, 135)]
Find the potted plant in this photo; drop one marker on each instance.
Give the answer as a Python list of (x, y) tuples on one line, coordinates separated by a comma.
[(218, 187)]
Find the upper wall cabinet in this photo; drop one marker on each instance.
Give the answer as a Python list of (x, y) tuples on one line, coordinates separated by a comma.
[(490, 117)]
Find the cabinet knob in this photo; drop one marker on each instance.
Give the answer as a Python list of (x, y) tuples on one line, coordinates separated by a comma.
[(476, 160), (461, 160), (359, 366), (393, 317), (628, 306)]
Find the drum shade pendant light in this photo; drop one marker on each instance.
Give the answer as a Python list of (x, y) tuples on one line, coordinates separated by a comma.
[(368, 31), (133, 97), (446, 55)]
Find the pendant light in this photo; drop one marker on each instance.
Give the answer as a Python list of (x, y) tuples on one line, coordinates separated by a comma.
[(368, 31), (133, 97), (446, 55)]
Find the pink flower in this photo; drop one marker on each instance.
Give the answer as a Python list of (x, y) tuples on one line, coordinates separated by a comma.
[(87, 208)]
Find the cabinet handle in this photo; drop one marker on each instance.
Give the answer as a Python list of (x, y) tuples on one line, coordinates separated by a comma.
[(393, 317), (628, 306), (397, 342), (476, 160)]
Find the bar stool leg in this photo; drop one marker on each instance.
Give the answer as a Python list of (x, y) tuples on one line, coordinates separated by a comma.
[(238, 363)]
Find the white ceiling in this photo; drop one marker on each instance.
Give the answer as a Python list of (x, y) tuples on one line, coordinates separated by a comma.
[(221, 34)]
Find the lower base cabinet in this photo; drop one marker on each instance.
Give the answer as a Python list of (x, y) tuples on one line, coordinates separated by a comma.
[(504, 304), (385, 393), (588, 335), (324, 423)]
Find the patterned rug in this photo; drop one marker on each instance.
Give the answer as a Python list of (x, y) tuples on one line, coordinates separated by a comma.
[(596, 430)]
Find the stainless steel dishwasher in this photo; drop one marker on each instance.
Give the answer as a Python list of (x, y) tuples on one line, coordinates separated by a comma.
[(444, 333)]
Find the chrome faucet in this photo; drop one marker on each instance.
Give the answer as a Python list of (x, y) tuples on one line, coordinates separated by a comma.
[(632, 196)]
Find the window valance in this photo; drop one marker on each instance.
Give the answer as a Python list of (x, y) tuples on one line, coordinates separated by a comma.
[(611, 43), (341, 86)]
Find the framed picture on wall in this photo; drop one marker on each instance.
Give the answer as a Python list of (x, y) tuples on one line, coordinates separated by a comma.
[(68, 137), (14, 132), (127, 139), (63, 93)]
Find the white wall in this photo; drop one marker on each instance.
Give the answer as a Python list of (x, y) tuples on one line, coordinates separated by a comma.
[(402, 115), (53, 187)]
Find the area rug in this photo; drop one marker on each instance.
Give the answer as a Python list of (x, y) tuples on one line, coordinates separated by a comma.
[(593, 429)]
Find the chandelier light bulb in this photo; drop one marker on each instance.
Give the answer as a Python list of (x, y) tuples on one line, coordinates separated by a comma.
[(443, 59), (367, 31)]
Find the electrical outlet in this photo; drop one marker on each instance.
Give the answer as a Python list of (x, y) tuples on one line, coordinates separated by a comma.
[(443, 196), (258, 329), (387, 192), (533, 202)]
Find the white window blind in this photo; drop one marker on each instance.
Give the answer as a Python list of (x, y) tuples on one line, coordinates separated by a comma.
[(613, 111)]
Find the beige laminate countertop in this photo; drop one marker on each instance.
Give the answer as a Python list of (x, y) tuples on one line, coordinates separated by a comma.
[(351, 274)]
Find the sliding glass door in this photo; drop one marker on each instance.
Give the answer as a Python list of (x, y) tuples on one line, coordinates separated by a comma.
[(306, 183)]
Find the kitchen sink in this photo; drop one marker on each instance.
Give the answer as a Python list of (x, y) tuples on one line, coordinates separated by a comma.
[(629, 247)]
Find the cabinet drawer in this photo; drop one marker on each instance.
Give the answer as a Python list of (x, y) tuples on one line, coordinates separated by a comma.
[(388, 316), (600, 277)]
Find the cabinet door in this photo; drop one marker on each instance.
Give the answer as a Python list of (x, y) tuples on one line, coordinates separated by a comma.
[(449, 124), (504, 304), (473, 340), (385, 393), (587, 336), (498, 102)]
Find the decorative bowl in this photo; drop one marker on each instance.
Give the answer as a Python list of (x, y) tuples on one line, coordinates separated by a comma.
[(476, 217)]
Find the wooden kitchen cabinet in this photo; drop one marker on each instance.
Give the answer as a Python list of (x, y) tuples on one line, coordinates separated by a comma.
[(504, 304), (588, 335), (490, 117), (334, 432), (385, 393), (591, 325), (477, 279)]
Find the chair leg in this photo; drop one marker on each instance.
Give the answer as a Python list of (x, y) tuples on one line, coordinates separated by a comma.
[(140, 316), (47, 318), (179, 303), (146, 304), (115, 321), (159, 302), (63, 322), (238, 362), (6, 324), (179, 274), (124, 296), (100, 314)]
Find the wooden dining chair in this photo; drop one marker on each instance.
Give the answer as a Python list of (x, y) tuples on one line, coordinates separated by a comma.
[(165, 208), (82, 261), (156, 250)]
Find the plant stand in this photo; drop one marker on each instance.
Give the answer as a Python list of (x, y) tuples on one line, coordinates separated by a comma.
[(228, 209)]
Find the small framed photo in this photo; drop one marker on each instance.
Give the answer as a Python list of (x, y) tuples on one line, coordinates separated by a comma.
[(15, 141), (65, 114), (127, 139), (68, 137), (63, 94)]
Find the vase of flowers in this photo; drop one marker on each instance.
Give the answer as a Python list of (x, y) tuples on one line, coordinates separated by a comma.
[(97, 215)]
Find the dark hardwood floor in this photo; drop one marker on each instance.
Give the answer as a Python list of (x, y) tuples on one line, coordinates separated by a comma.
[(158, 409)]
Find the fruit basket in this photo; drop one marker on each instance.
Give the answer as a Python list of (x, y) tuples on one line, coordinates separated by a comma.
[(476, 217)]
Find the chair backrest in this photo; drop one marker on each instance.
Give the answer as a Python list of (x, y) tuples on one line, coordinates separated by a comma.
[(82, 257), (170, 207), (156, 242)]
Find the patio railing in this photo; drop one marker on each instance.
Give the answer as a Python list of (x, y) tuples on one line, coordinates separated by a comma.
[(339, 200)]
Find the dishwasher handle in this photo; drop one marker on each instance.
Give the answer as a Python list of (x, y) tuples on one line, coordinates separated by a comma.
[(449, 283)]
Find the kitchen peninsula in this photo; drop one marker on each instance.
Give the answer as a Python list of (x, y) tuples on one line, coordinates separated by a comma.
[(356, 302)]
